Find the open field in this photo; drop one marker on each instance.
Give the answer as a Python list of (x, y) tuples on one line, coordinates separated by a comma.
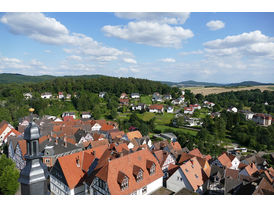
[(216, 90)]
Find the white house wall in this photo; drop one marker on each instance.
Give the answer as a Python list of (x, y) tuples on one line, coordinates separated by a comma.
[(178, 181)]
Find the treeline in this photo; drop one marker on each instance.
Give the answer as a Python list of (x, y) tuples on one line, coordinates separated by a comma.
[(255, 99)]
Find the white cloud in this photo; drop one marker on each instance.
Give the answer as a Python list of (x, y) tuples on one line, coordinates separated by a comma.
[(49, 31), (160, 17), (253, 43), (74, 57), (130, 60), (197, 52), (47, 51), (215, 25), (150, 33), (168, 60)]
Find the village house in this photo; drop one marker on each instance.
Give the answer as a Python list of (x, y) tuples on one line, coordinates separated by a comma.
[(46, 95), (195, 106), (69, 114), (156, 108), (133, 134), (169, 109), (188, 175), (167, 97), (7, 130), (124, 102), (188, 110), (208, 104), (140, 107), (17, 149), (123, 96), (232, 109), (61, 95), (249, 170), (68, 173), (86, 115), (248, 114), (262, 119), (68, 96), (135, 95), (156, 97), (27, 95), (165, 159), (102, 94), (222, 161), (137, 173)]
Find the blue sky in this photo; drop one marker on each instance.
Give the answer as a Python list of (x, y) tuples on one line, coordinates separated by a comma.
[(202, 46)]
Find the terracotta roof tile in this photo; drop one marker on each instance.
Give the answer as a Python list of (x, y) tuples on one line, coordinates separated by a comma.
[(134, 134), (176, 146), (23, 146), (121, 147), (73, 173), (156, 106), (234, 174), (161, 156), (196, 152), (106, 127), (116, 134), (264, 187), (224, 160), (251, 169), (185, 157)]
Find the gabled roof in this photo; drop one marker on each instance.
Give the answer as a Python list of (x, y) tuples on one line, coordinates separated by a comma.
[(116, 134), (176, 146), (106, 127), (193, 172), (108, 170), (196, 152), (74, 173), (23, 146), (224, 160), (161, 156), (156, 106), (251, 169), (184, 157), (234, 174), (264, 188), (134, 134)]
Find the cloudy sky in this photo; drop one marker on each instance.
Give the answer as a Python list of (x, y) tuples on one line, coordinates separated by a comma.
[(213, 47)]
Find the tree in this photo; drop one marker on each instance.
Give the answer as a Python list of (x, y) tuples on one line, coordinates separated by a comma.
[(8, 176)]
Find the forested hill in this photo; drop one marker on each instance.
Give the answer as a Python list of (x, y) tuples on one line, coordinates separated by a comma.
[(7, 78)]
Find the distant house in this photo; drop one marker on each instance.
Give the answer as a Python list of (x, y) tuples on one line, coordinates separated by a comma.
[(169, 109), (188, 175), (123, 96), (102, 94), (248, 114), (169, 136), (167, 97), (177, 101), (124, 101), (135, 134), (135, 95), (7, 130), (140, 106), (188, 110), (67, 114), (195, 106), (222, 161), (27, 95), (68, 96), (249, 170), (156, 97), (46, 95), (262, 119), (61, 95), (193, 121), (86, 115), (232, 109), (156, 108), (208, 104)]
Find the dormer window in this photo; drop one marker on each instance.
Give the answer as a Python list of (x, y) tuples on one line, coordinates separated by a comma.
[(151, 167), (124, 184), (140, 176), (122, 180), (137, 173)]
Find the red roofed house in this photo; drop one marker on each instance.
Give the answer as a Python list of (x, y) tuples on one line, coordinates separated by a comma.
[(249, 170), (196, 152), (69, 172), (165, 159), (137, 173), (223, 161), (7, 130), (156, 108), (124, 101), (188, 110), (262, 119), (188, 175)]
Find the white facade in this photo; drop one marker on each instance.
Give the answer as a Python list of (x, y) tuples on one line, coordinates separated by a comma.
[(96, 127), (170, 110), (86, 116), (235, 163), (135, 96), (46, 95), (156, 110), (189, 111), (27, 95), (4, 133), (178, 181), (169, 160), (150, 188), (249, 116)]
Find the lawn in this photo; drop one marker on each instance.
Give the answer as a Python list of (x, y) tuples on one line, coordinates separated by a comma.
[(186, 131), (164, 118), (146, 116), (146, 100)]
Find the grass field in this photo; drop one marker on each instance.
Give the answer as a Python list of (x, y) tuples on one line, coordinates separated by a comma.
[(146, 116), (146, 100), (216, 90), (186, 131)]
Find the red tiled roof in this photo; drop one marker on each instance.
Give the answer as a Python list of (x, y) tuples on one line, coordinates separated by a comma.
[(134, 134), (116, 134), (251, 169), (110, 170), (231, 173), (224, 160), (106, 127), (68, 118), (196, 152), (124, 100), (156, 106), (193, 173), (271, 171), (161, 156), (74, 174), (121, 147), (185, 157), (23, 146), (176, 146), (99, 151), (241, 166), (208, 157)]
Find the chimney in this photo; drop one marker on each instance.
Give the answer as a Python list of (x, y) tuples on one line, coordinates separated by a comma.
[(77, 161), (65, 142)]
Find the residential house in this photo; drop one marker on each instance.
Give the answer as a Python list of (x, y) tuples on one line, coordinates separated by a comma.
[(102, 94), (259, 162), (46, 95), (195, 106), (222, 161), (27, 95), (134, 134), (248, 114), (177, 101), (215, 184), (135, 95), (193, 121), (124, 101), (123, 96), (156, 97), (61, 95), (167, 97), (169, 136), (262, 119), (140, 107), (137, 173), (7, 130), (232, 109), (165, 159), (69, 114), (208, 104), (249, 170), (68, 173), (188, 110), (156, 108), (188, 175), (68, 96), (169, 109), (86, 115), (135, 143), (234, 161)]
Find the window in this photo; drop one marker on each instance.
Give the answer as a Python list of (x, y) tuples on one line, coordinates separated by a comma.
[(47, 160), (101, 183), (152, 169), (34, 148), (144, 190), (186, 170), (140, 176), (124, 184), (196, 176)]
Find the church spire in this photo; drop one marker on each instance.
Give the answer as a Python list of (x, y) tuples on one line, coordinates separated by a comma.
[(33, 177)]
